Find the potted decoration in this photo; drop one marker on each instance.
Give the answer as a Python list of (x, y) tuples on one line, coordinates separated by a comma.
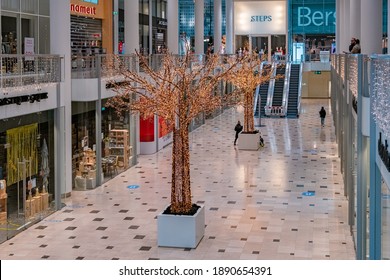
[(180, 89), (246, 78)]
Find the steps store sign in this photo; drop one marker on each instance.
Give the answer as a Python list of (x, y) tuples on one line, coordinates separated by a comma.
[(259, 17)]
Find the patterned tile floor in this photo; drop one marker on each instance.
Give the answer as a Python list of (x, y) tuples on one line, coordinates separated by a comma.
[(254, 200)]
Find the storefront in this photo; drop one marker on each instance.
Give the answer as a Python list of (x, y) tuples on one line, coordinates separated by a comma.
[(27, 177), (260, 26), (23, 21), (153, 26), (91, 27), (115, 152)]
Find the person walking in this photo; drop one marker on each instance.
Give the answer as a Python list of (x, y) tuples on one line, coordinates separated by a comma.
[(238, 128), (322, 116)]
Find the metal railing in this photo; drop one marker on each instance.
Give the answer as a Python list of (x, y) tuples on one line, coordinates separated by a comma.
[(27, 70)]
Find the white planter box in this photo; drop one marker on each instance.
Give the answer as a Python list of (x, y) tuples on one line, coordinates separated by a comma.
[(181, 231), (248, 141)]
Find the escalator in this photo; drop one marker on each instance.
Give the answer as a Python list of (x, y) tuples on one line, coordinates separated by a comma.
[(293, 96)]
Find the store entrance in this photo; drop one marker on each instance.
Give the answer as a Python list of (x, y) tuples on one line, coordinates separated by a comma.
[(263, 44)]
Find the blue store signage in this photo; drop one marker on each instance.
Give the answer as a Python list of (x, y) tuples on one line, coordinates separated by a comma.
[(314, 18), (133, 187)]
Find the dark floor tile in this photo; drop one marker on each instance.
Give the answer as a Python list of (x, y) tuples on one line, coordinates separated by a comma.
[(43, 246), (255, 252), (123, 211), (104, 237), (110, 247), (152, 210), (115, 259), (72, 237), (213, 208), (45, 257), (221, 251), (67, 211), (128, 218), (231, 202), (40, 236), (133, 227), (75, 247), (101, 228), (79, 258), (139, 237), (41, 227), (98, 219), (145, 248), (70, 228), (68, 219), (94, 211)]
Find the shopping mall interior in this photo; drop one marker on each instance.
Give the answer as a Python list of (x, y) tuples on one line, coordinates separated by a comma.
[(78, 181)]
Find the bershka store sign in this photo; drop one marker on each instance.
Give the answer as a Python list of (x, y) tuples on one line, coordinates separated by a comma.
[(260, 17), (85, 10)]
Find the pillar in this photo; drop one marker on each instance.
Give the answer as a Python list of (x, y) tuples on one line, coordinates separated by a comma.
[(355, 19), (217, 25), (199, 26), (347, 30), (131, 26), (338, 26), (173, 26), (229, 27), (371, 26), (60, 44)]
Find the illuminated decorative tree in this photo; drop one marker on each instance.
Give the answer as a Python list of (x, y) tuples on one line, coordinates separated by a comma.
[(178, 91), (246, 78)]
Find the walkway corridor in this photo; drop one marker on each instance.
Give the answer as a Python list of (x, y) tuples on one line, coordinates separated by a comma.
[(255, 201)]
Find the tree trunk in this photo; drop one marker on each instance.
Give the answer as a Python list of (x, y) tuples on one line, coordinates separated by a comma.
[(181, 189), (249, 124)]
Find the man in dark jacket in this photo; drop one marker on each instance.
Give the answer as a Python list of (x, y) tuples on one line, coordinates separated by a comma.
[(322, 116), (238, 128)]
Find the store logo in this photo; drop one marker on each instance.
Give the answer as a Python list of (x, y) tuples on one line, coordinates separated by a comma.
[(83, 9), (318, 18), (261, 18)]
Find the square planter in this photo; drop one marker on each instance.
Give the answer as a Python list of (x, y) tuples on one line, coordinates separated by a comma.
[(248, 141), (181, 231)]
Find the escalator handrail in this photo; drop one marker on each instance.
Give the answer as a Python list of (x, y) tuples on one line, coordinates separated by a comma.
[(271, 86), (300, 87), (286, 89)]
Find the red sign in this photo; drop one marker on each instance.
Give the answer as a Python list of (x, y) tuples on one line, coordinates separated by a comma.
[(83, 9)]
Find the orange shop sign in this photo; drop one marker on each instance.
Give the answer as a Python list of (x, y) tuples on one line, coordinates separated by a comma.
[(83, 9)]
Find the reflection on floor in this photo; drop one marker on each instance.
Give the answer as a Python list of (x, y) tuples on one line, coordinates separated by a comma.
[(284, 201)]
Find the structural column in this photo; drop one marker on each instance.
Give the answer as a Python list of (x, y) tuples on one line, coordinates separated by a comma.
[(116, 25), (131, 26), (388, 26), (338, 26), (347, 30), (355, 20), (229, 27), (199, 26), (371, 26), (60, 44), (173, 26), (217, 25)]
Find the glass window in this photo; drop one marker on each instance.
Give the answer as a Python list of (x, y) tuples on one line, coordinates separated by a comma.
[(9, 36), (44, 35), (26, 196), (44, 7), (29, 6), (10, 5)]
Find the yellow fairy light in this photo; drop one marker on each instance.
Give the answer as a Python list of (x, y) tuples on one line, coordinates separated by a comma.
[(178, 91)]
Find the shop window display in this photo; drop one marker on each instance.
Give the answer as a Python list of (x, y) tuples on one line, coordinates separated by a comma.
[(116, 149), (26, 183)]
